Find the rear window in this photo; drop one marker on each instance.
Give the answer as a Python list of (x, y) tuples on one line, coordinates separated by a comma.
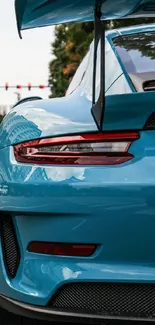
[(137, 52)]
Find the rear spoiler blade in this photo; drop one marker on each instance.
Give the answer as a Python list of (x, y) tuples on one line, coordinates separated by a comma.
[(39, 13), (128, 111)]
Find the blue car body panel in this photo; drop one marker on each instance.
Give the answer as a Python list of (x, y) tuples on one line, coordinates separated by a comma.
[(112, 206), (80, 204), (131, 112), (44, 118)]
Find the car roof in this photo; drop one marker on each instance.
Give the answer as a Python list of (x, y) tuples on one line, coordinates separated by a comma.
[(110, 34)]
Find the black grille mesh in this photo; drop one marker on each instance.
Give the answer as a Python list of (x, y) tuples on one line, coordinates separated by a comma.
[(11, 252), (109, 299), (150, 123)]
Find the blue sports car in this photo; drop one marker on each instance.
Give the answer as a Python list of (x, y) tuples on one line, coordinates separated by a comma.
[(77, 190)]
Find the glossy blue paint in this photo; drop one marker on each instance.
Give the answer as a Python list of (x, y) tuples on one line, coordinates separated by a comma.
[(44, 118), (39, 13), (128, 111), (81, 204), (112, 206), (134, 29)]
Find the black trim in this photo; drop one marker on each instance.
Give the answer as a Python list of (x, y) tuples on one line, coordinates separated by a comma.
[(20, 9), (98, 106), (43, 313), (6, 217), (150, 123), (40, 214), (27, 99)]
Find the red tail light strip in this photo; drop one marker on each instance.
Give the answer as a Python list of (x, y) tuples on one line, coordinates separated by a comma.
[(62, 249), (84, 137), (85, 149)]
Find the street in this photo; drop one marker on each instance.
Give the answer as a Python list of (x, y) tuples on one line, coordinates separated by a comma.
[(11, 319)]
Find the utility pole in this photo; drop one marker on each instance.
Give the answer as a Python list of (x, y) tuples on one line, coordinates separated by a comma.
[(18, 96)]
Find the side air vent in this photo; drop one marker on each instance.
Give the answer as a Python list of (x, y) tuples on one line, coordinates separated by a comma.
[(150, 123), (10, 247), (149, 85)]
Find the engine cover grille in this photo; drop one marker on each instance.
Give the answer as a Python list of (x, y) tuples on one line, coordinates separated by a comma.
[(109, 299), (10, 247)]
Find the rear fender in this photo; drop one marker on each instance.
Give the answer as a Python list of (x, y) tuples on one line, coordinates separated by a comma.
[(128, 111), (47, 118)]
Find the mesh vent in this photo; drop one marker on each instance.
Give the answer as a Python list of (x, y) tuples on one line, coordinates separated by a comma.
[(108, 299), (11, 252), (150, 123)]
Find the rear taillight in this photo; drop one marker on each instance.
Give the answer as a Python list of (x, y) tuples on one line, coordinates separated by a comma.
[(109, 148), (62, 249)]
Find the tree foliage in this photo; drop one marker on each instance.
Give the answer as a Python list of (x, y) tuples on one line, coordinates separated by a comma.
[(69, 47)]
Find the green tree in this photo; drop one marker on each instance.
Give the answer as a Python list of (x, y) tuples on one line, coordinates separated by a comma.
[(57, 80), (69, 47)]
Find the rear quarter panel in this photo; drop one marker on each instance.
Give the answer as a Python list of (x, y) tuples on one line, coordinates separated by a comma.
[(45, 118)]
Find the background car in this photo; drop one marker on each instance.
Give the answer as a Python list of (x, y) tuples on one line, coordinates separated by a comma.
[(77, 205)]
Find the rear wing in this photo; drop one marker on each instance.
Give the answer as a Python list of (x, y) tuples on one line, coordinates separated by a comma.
[(39, 13)]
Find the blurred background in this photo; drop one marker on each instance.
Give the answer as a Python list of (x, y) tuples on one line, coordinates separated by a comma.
[(22, 61)]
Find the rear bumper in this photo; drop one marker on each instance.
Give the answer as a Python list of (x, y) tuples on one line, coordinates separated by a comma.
[(112, 207), (42, 313)]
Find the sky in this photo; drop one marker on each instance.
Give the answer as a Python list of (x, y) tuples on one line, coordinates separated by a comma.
[(22, 61)]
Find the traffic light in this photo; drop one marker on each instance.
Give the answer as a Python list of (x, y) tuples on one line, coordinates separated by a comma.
[(6, 86), (29, 86)]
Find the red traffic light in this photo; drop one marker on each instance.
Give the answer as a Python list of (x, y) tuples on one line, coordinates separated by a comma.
[(19, 86), (29, 86), (6, 85), (41, 86)]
